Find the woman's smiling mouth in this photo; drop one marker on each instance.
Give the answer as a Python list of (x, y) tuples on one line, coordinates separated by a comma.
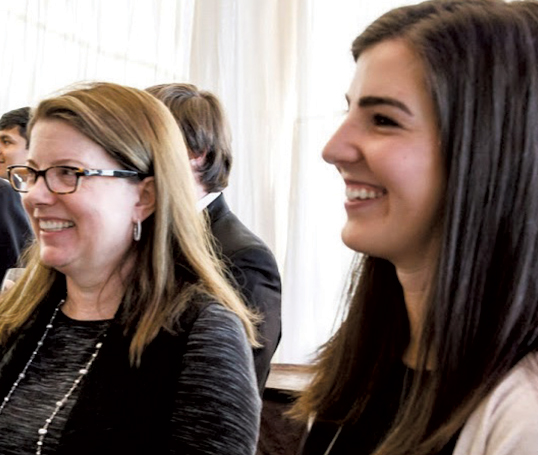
[(363, 194), (52, 226)]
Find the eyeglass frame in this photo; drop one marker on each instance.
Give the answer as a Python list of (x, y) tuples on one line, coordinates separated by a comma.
[(78, 172)]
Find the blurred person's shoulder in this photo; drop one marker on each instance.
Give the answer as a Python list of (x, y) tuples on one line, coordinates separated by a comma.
[(4, 184)]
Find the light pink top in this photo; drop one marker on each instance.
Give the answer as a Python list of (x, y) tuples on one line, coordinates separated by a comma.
[(506, 423)]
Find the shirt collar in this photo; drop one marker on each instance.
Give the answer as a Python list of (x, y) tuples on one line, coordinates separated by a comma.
[(201, 204)]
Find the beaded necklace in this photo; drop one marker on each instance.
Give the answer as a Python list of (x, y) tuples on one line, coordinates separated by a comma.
[(60, 403), (333, 441)]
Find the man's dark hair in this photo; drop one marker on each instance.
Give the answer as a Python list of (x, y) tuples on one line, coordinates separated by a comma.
[(200, 116), (17, 117)]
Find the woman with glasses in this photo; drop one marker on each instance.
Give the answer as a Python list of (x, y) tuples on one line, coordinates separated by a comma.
[(122, 336), (439, 156)]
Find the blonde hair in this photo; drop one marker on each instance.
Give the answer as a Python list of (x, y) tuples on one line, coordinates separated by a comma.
[(174, 257)]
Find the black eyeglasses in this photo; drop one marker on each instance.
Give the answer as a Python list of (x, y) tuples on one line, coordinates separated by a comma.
[(60, 179)]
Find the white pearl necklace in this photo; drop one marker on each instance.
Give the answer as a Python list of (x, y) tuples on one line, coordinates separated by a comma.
[(59, 404)]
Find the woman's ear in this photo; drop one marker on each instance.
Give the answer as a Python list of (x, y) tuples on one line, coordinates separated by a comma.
[(146, 199)]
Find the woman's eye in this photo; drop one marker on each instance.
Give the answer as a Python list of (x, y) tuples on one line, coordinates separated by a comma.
[(66, 172), (382, 120)]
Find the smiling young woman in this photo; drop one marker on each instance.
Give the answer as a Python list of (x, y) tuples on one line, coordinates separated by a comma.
[(437, 353), (387, 152)]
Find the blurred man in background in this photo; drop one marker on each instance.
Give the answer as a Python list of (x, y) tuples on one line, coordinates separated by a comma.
[(15, 229), (13, 140), (251, 265)]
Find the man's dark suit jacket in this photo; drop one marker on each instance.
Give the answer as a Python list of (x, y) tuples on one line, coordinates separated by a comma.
[(15, 229), (256, 275)]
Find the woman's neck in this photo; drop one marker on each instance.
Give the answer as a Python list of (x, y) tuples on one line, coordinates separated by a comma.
[(416, 288), (92, 301)]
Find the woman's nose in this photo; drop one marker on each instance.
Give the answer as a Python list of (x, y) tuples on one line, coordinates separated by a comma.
[(38, 193), (343, 146)]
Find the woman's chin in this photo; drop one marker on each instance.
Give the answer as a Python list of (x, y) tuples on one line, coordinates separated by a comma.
[(353, 239), (363, 244), (53, 261)]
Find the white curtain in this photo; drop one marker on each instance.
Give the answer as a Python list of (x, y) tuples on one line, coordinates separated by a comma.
[(281, 69)]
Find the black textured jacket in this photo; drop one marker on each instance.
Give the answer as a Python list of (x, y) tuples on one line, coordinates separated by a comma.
[(120, 409)]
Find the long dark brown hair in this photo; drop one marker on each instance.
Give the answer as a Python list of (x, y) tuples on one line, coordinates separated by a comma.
[(481, 60)]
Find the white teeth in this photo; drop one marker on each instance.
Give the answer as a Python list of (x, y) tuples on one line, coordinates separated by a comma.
[(362, 194), (54, 225)]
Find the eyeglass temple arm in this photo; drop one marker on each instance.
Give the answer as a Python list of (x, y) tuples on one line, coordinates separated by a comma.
[(110, 173)]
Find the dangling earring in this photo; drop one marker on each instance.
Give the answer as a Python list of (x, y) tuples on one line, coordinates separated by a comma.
[(137, 230)]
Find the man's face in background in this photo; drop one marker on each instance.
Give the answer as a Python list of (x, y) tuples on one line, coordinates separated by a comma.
[(13, 149)]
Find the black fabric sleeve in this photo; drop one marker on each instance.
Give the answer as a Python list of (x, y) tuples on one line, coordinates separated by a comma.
[(217, 405)]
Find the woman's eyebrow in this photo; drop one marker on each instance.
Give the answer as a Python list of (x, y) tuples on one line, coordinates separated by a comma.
[(369, 101)]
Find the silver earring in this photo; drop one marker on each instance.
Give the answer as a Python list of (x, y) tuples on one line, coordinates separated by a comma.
[(137, 231)]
